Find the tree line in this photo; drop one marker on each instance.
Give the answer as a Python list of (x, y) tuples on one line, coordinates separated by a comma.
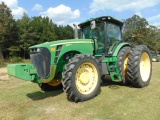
[(16, 36)]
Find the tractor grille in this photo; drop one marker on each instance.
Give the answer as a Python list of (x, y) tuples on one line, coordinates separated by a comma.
[(41, 59)]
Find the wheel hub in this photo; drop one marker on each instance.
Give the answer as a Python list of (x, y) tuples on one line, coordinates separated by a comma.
[(142, 64), (84, 77), (145, 66)]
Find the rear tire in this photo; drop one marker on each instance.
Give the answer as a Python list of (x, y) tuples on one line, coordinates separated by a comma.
[(81, 78), (123, 56), (140, 66)]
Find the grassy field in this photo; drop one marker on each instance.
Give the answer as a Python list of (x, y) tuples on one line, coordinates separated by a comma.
[(22, 100)]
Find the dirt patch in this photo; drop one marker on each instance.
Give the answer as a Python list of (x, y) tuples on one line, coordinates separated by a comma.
[(3, 70), (4, 78), (3, 74)]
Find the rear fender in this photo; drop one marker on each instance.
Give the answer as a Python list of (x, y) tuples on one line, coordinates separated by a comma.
[(117, 49)]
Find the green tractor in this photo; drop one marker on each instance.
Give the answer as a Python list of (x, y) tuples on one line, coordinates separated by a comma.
[(78, 65), (155, 57)]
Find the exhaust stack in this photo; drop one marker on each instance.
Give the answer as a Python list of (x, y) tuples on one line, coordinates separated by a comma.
[(75, 31)]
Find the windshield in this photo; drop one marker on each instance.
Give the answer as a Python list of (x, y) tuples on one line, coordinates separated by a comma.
[(113, 32)]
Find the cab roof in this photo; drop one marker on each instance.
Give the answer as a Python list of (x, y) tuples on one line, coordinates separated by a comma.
[(103, 18)]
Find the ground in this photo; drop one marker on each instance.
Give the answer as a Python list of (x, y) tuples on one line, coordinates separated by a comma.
[(23, 100), (3, 74)]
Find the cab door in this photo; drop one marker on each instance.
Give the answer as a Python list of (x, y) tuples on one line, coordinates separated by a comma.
[(113, 36)]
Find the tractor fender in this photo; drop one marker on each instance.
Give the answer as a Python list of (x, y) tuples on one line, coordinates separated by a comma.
[(68, 53), (82, 47), (118, 47)]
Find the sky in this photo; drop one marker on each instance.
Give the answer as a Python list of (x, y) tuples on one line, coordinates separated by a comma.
[(65, 12)]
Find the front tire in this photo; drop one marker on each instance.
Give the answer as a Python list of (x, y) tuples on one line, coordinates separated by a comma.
[(140, 66), (51, 86), (81, 78)]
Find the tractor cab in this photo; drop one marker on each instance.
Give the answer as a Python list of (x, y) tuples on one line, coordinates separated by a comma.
[(105, 31)]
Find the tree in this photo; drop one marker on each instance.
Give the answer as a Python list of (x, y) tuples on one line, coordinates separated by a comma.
[(134, 25), (33, 31), (149, 35), (8, 31), (42, 29), (63, 32), (69, 32), (152, 37), (24, 37)]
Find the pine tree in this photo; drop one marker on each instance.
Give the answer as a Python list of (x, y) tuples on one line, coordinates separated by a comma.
[(8, 32)]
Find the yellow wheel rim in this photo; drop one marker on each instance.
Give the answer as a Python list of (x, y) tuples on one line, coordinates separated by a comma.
[(86, 78), (154, 59), (145, 67), (55, 82), (125, 65)]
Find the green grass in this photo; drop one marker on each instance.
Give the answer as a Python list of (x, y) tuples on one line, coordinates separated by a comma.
[(22, 100)]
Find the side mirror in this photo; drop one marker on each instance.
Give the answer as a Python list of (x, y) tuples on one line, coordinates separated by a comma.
[(93, 24)]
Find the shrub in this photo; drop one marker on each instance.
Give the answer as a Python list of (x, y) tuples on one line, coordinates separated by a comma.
[(1, 61), (15, 59)]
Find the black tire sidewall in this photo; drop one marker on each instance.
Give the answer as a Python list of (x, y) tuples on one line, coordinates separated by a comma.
[(126, 51), (134, 73)]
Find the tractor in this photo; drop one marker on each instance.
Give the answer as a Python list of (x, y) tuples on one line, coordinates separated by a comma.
[(155, 57), (77, 65)]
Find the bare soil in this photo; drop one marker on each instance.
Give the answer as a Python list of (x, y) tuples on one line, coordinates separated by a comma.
[(3, 74)]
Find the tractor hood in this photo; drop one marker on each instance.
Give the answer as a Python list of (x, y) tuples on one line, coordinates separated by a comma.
[(62, 42), (46, 56)]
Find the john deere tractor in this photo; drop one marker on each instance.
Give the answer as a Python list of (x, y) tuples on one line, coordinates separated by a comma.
[(155, 57), (78, 65)]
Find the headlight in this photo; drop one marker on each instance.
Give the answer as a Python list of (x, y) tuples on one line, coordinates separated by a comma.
[(35, 50), (38, 49)]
